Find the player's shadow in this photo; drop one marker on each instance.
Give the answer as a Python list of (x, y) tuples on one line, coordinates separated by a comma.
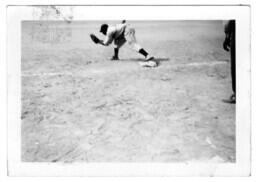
[(158, 60)]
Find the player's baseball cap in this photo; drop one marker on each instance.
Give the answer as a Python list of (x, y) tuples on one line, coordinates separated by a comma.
[(103, 28)]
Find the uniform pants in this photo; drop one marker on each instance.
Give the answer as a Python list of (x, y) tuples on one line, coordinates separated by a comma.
[(233, 60), (129, 37)]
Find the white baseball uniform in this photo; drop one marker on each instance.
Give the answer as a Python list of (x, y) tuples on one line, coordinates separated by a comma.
[(120, 33)]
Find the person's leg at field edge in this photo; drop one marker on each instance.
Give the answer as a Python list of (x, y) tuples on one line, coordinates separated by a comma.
[(232, 43), (233, 66)]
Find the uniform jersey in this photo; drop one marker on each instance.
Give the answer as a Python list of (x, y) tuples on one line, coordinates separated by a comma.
[(114, 32)]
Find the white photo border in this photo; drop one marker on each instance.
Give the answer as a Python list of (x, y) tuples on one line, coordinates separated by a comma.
[(17, 14)]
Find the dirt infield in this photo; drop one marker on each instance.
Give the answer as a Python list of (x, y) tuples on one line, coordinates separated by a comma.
[(77, 106)]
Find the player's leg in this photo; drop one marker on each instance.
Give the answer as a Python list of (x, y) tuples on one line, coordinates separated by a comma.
[(118, 43), (131, 39), (115, 56)]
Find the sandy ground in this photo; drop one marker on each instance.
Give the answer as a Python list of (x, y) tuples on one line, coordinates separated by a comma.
[(77, 106)]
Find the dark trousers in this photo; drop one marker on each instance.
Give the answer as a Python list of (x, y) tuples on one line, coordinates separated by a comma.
[(233, 60)]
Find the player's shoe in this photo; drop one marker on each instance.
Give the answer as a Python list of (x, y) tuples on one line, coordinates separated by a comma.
[(114, 58), (231, 100), (149, 57)]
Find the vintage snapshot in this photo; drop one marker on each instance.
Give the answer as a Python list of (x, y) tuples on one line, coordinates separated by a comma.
[(165, 95)]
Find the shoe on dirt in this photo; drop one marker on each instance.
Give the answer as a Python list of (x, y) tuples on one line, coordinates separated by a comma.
[(231, 100), (114, 58), (148, 58)]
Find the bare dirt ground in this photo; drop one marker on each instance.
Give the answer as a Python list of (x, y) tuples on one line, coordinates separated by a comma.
[(77, 106)]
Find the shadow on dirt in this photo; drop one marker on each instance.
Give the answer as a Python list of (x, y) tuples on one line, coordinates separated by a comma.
[(157, 60), (141, 59)]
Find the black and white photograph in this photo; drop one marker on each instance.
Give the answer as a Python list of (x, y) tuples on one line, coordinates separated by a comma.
[(124, 90)]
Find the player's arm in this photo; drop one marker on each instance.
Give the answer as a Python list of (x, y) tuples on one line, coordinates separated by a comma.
[(102, 43), (105, 42), (108, 40)]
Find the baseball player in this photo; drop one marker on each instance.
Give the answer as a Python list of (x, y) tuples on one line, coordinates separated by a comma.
[(119, 34)]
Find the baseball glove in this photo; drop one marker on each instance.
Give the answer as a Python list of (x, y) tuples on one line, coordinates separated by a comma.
[(95, 39)]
